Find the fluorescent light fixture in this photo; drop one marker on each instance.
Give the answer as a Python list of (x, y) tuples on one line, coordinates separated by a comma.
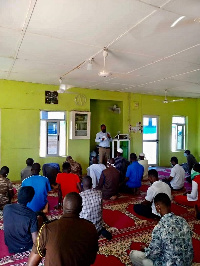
[(176, 21)]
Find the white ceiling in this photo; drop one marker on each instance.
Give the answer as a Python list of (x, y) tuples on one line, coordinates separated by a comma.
[(42, 40)]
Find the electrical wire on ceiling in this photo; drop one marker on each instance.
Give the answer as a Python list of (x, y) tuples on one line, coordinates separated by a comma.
[(115, 40)]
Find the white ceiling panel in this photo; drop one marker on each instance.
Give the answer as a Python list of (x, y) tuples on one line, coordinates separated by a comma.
[(165, 69), (131, 80), (157, 3), (3, 75), (156, 38), (5, 63), (37, 77), (97, 22), (41, 40), (189, 8), (52, 50), (191, 55), (193, 77), (31, 66), (9, 40), (13, 13)]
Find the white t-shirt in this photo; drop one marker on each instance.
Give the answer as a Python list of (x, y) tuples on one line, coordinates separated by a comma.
[(178, 175), (145, 164), (154, 189), (193, 196), (94, 171)]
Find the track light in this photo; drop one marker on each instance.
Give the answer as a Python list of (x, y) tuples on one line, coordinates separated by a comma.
[(89, 65)]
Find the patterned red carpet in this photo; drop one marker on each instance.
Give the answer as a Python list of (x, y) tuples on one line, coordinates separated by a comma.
[(129, 230)]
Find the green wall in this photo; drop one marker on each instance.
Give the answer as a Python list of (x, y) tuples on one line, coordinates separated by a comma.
[(21, 102)]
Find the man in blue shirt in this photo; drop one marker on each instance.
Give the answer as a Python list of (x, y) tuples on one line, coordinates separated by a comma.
[(134, 175), (171, 242), (41, 186), (20, 222), (104, 139)]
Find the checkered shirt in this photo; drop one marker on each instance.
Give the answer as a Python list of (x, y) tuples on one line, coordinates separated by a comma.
[(92, 207)]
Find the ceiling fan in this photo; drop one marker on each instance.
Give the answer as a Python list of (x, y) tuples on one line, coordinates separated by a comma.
[(115, 109), (63, 88), (170, 101), (104, 73)]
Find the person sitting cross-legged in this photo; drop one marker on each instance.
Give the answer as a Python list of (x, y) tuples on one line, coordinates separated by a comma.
[(171, 242), (121, 164), (92, 206), (191, 198), (41, 186), (26, 172), (177, 176), (6, 188), (147, 207), (76, 167), (109, 181), (20, 222), (68, 182), (134, 175), (67, 241)]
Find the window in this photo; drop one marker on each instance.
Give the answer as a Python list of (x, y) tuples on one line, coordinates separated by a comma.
[(178, 133), (52, 134)]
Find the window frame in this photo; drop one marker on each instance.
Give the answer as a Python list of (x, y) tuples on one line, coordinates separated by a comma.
[(183, 125), (44, 154)]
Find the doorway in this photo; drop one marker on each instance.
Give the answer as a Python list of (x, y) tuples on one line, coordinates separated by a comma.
[(150, 139)]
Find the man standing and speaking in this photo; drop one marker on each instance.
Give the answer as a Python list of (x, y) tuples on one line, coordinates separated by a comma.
[(104, 139)]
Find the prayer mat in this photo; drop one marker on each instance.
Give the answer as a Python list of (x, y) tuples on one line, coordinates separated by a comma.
[(129, 230)]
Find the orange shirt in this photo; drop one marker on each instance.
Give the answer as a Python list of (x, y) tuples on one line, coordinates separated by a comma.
[(68, 183)]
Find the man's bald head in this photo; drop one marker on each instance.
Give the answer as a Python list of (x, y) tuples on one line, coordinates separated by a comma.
[(87, 182), (72, 203)]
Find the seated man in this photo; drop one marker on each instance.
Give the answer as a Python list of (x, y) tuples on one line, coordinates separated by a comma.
[(67, 241), (191, 198), (26, 172), (147, 207), (134, 176), (68, 182), (75, 167), (171, 242), (20, 222), (121, 164), (144, 162), (177, 176), (92, 206), (41, 186), (6, 189), (109, 181), (94, 171), (5, 171)]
